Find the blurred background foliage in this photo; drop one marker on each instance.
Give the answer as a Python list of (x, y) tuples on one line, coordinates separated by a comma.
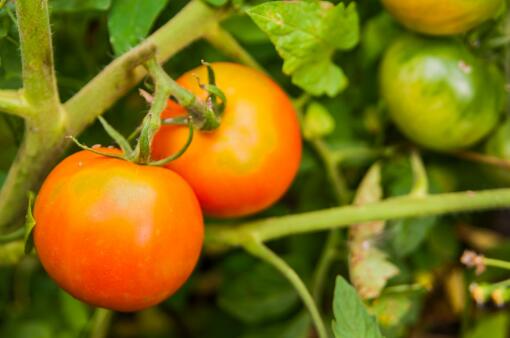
[(234, 295)]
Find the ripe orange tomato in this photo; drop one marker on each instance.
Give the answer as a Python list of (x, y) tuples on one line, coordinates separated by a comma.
[(115, 234), (442, 17), (249, 162)]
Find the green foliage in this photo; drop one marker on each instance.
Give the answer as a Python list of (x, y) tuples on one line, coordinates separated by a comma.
[(494, 326), (309, 49), (79, 5), (258, 295), (351, 317), (129, 22), (305, 35)]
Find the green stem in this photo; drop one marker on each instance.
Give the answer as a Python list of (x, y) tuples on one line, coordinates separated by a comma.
[(341, 217), (222, 40), (39, 82), (190, 24), (202, 115), (100, 323), (258, 249), (328, 255), (45, 128), (496, 263), (13, 102), (340, 189), (334, 238), (12, 236)]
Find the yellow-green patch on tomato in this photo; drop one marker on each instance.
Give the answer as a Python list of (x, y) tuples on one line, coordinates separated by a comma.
[(443, 17), (439, 94)]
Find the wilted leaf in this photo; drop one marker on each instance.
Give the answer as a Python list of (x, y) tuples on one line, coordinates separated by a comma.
[(306, 34), (396, 311), (351, 316), (368, 266), (130, 21)]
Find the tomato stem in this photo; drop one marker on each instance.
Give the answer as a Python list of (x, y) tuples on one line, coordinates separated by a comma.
[(342, 217), (100, 323), (13, 102), (223, 41), (202, 114), (258, 249), (12, 236)]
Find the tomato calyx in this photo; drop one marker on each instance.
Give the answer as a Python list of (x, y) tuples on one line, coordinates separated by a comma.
[(204, 115)]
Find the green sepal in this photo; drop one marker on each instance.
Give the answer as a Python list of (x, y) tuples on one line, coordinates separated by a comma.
[(118, 138), (181, 151), (29, 225)]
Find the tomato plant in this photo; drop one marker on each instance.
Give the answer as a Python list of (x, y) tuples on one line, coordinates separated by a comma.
[(439, 94), (249, 162), (443, 17), (349, 158), (104, 225)]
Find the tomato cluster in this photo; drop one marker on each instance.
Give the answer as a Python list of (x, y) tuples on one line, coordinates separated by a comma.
[(437, 92), (125, 236)]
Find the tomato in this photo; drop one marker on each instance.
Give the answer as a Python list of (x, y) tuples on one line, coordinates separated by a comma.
[(115, 234), (249, 162), (498, 145), (442, 17), (439, 94)]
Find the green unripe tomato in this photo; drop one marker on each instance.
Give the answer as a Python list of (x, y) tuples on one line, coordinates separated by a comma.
[(438, 94), (498, 145)]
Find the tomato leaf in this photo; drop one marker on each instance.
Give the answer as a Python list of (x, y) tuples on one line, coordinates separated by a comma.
[(297, 327), (130, 21), (306, 35), (351, 316), (29, 225), (78, 5), (409, 233), (368, 266), (258, 294)]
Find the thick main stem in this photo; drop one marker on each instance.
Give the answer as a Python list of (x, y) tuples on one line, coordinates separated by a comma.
[(392, 208), (45, 128)]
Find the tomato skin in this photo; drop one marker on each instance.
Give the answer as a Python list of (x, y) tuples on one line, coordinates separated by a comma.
[(115, 234), (498, 145), (442, 17), (249, 162), (438, 94)]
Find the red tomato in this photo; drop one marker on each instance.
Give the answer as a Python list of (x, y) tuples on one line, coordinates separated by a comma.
[(249, 162), (115, 234)]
